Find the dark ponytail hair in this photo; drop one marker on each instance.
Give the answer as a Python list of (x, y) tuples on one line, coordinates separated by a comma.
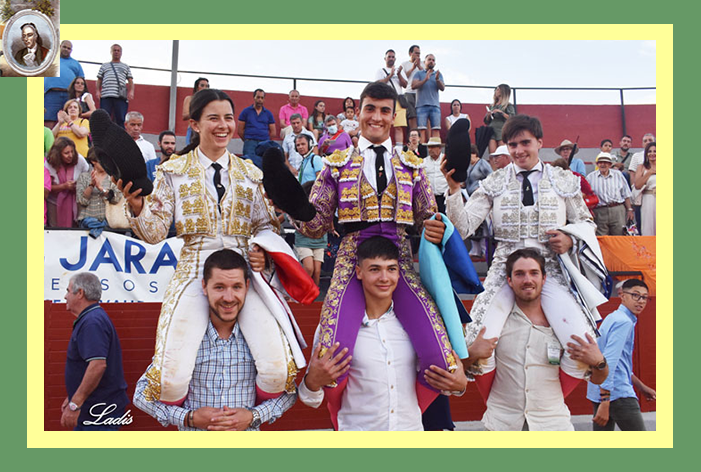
[(200, 100)]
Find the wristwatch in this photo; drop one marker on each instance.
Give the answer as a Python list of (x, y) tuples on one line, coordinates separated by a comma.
[(73, 407), (601, 365), (255, 423)]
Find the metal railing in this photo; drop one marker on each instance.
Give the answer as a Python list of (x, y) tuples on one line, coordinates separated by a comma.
[(294, 81)]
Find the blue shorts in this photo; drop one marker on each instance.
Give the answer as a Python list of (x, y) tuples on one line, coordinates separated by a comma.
[(426, 112)]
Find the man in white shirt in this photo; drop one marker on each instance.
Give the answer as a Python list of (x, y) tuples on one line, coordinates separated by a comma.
[(381, 391), (397, 79), (432, 166), (410, 68), (134, 124), (526, 393)]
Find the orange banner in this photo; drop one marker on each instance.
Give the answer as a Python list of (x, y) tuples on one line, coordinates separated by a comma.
[(631, 253)]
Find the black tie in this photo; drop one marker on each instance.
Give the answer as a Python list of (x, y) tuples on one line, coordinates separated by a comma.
[(217, 183), (526, 188), (380, 169)]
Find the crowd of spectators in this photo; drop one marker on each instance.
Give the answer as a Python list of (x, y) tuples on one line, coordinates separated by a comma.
[(621, 178)]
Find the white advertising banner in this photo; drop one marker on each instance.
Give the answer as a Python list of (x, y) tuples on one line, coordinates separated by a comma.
[(130, 270)]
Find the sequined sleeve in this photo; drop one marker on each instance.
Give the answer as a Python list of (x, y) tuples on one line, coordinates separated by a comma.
[(468, 217), (155, 218), (424, 201), (577, 211), (324, 196)]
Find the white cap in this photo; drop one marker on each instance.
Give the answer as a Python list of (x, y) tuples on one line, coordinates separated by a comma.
[(500, 150)]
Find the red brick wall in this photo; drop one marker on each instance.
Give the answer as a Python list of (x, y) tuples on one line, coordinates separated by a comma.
[(136, 326), (591, 123)]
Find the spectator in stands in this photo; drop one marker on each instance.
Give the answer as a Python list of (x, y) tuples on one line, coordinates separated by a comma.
[(56, 88), (415, 144), (477, 171), (47, 190), (427, 84), (635, 162), (456, 114), (315, 123), (646, 183), (614, 207), (78, 90), (500, 158), (200, 84), (588, 194), (351, 126), (410, 68), (638, 158), (256, 124), (606, 145), (497, 114), (397, 80), (94, 190), (310, 251), (166, 141), (222, 392), (311, 164), (615, 401), (432, 166), (288, 144), (115, 86), (97, 391), (48, 140), (65, 166), (72, 126), (347, 102), (134, 126), (622, 157), (564, 150), (334, 138), (289, 109)]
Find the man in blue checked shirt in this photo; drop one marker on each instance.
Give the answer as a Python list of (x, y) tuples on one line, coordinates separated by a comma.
[(615, 402), (222, 391)]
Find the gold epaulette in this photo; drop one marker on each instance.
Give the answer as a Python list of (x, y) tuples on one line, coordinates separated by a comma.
[(338, 158), (411, 160), (178, 164), (251, 171)]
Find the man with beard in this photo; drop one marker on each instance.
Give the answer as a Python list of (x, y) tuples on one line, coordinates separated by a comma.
[(222, 391), (166, 141), (526, 393)]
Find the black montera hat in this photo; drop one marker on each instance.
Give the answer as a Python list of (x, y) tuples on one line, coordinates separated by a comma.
[(283, 188), (457, 149), (117, 152)]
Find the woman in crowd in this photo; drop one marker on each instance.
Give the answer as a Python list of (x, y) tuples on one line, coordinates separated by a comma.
[(65, 166), (498, 113), (334, 138), (94, 190), (646, 181), (72, 126), (316, 121), (415, 145), (347, 102), (78, 90), (200, 84), (456, 114)]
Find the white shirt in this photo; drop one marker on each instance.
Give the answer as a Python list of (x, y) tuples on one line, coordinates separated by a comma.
[(381, 391), (434, 174), (533, 178), (209, 172), (369, 156), (635, 161), (526, 386), (147, 149), (383, 72), (406, 67), (289, 146)]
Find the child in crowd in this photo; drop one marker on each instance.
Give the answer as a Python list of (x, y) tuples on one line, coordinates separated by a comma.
[(310, 251), (351, 126)]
